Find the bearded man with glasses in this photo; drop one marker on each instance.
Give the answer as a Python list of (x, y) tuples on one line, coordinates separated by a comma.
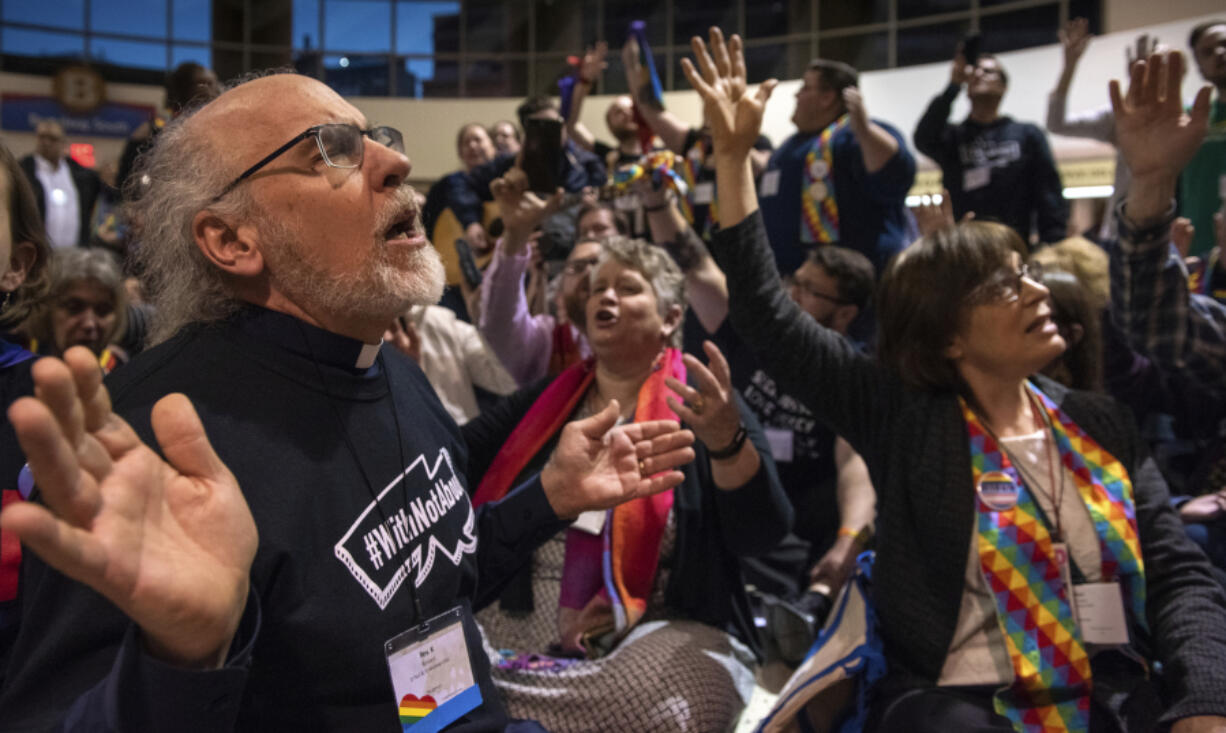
[(279, 240)]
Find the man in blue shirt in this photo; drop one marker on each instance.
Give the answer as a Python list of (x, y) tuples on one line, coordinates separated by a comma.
[(841, 179)]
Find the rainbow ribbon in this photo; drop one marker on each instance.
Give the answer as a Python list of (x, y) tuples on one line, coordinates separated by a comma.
[(661, 167)]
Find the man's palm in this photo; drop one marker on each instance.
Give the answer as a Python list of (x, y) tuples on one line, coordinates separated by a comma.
[(1153, 133), (170, 542)]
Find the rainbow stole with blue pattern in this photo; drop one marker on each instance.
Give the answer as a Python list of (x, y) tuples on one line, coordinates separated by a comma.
[(1052, 679)]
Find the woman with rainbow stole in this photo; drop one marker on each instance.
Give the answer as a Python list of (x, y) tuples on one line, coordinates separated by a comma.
[(618, 601), (1030, 574)]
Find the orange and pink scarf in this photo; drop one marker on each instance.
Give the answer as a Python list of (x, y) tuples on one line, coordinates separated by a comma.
[(606, 580)]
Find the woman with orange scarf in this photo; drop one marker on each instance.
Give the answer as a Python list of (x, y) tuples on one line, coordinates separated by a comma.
[(618, 595)]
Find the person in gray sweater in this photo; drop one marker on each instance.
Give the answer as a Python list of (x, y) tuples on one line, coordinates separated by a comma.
[(1007, 504)]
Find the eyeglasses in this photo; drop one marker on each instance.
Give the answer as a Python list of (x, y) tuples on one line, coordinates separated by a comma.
[(578, 267), (813, 291), (340, 144), (1006, 285)]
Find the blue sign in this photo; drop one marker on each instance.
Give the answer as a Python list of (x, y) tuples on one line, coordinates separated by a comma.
[(22, 112)]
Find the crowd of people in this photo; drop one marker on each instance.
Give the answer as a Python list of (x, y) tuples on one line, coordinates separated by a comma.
[(590, 434)]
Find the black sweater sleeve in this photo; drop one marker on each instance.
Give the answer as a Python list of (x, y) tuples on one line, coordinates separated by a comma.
[(754, 516), (932, 132), (842, 387), (509, 530)]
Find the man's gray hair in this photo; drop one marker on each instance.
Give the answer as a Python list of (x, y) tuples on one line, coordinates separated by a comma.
[(656, 267), (173, 181)]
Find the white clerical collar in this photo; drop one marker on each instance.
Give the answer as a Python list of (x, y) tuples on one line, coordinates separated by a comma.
[(366, 357)]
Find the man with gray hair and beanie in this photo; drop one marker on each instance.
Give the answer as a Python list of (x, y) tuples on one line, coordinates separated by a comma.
[(335, 589), (842, 178)]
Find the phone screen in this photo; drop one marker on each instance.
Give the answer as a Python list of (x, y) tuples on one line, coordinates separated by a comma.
[(468, 265), (970, 48), (542, 154)]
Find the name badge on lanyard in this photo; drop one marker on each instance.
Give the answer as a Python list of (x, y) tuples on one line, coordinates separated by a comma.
[(1100, 613), (704, 193), (1097, 607), (432, 674), (770, 184)]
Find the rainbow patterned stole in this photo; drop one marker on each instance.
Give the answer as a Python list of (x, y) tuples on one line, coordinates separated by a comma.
[(691, 167), (1052, 678), (1106, 489), (819, 213)]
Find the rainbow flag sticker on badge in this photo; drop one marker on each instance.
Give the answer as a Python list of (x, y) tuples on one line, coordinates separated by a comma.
[(413, 709)]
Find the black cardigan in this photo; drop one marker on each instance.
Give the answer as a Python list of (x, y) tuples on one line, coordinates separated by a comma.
[(714, 528), (917, 450)]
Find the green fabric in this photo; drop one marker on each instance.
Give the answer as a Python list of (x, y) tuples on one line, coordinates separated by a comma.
[(1199, 198)]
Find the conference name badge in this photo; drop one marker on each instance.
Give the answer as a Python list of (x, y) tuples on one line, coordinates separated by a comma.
[(432, 674), (998, 491), (770, 184), (704, 193)]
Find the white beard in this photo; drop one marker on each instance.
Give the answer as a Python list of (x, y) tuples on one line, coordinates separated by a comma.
[(390, 282)]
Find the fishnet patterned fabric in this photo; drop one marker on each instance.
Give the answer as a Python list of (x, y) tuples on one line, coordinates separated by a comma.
[(665, 676)]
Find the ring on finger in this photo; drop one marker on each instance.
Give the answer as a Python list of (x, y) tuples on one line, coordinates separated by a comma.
[(642, 467), (698, 404)]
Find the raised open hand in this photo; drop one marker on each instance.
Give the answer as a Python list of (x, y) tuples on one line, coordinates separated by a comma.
[(710, 408), (1075, 38), (522, 211), (170, 542), (1152, 131), (593, 63), (596, 465), (735, 115)]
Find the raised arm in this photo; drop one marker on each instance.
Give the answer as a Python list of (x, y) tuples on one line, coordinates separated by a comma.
[(1098, 124), (520, 340), (705, 285), (876, 145), (667, 125), (819, 367), (590, 68), (933, 128), (857, 510), (1181, 332), (1074, 39)]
